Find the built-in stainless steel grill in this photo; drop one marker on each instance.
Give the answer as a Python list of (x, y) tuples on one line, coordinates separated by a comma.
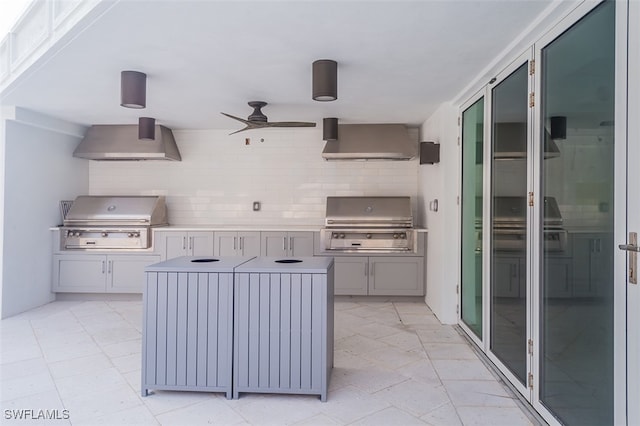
[(368, 225), (510, 225), (112, 222)]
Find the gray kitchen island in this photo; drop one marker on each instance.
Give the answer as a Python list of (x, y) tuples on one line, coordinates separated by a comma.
[(187, 334), (283, 326)]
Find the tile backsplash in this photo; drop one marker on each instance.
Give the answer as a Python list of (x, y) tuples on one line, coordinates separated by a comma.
[(220, 176)]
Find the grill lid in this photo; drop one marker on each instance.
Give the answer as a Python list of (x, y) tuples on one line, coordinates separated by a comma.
[(117, 210), (512, 211), (369, 211)]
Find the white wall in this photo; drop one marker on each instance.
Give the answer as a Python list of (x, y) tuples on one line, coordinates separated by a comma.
[(440, 181), (220, 176), (39, 171)]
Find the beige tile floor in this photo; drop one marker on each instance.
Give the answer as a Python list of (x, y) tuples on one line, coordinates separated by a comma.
[(395, 364)]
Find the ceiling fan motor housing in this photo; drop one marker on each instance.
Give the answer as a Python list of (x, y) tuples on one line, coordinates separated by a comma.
[(257, 115)]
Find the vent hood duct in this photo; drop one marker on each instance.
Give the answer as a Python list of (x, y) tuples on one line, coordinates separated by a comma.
[(120, 142), (371, 142)]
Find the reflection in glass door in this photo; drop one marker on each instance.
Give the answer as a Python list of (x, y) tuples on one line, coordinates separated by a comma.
[(508, 308), (471, 245), (577, 245)]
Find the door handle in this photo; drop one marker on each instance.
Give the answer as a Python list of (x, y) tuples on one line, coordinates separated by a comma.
[(633, 249)]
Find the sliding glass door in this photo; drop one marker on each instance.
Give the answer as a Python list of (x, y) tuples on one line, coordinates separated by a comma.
[(544, 206), (472, 216), (576, 253), (509, 243)]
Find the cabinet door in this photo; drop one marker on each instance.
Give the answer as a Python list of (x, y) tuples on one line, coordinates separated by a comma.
[(249, 243), (226, 243), (81, 273), (558, 277), (507, 277), (125, 273), (396, 276), (350, 275), (274, 244), (300, 243), (200, 243), (589, 263), (169, 244)]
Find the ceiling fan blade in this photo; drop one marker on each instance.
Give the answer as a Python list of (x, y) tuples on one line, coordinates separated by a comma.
[(241, 130), (250, 125), (242, 120), (290, 124)]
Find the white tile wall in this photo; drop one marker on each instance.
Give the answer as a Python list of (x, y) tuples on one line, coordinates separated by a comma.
[(220, 176)]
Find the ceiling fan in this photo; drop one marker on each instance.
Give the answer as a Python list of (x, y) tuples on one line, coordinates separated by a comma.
[(257, 120)]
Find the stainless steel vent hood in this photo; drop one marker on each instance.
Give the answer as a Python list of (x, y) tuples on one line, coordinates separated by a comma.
[(120, 142), (371, 142), (511, 142)]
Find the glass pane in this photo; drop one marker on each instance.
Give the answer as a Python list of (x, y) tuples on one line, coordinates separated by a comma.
[(577, 255), (472, 148), (509, 221)]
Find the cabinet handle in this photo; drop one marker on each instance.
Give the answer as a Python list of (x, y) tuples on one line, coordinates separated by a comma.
[(109, 264), (241, 243), (103, 266), (190, 243), (284, 244), (372, 270), (234, 243), (291, 245), (184, 243)]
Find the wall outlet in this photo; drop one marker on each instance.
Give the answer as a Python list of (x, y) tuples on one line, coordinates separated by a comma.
[(256, 206)]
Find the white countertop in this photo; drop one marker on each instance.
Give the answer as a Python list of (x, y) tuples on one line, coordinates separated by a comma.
[(263, 228)]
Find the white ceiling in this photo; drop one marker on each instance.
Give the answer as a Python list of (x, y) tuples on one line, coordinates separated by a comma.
[(397, 60)]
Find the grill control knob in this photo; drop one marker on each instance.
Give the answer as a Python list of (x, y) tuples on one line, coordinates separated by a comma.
[(368, 236), (403, 236), (105, 234), (130, 235), (341, 235), (395, 236)]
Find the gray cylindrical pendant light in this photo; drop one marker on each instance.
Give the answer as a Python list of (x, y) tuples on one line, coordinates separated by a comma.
[(146, 128), (133, 89), (330, 129), (325, 80)]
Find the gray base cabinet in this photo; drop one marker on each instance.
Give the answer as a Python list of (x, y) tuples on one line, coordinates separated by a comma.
[(287, 244), (283, 328), (351, 276), (379, 276), (170, 244), (100, 273), (231, 243)]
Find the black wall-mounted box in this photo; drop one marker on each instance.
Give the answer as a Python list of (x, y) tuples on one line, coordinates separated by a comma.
[(429, 152)]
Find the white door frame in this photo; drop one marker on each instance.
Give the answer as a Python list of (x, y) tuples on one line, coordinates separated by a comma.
[(485, 175), (631, 24), (522, 59), (620, 209)]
